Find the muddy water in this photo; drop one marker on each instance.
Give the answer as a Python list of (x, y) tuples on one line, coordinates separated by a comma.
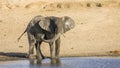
[(75, 62)]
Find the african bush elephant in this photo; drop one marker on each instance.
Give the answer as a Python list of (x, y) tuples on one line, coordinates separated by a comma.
[(47, 29)]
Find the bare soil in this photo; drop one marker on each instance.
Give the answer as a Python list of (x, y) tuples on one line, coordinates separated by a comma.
[(97, 30)]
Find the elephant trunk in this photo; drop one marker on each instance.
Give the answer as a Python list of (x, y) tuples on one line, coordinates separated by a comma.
[(51, 40)]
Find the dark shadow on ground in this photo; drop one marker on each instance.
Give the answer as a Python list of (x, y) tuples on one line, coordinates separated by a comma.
[(4, 56), (13, 54)]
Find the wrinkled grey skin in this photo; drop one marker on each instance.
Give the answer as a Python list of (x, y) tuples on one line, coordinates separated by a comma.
[(47, 29)]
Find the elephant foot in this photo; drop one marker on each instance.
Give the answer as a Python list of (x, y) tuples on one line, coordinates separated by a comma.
[(58, 61), (39, 59), (31, 59), (53, 61), (38, 62)]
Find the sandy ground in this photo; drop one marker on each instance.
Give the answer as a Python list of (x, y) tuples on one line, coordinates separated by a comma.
[(97, 30)]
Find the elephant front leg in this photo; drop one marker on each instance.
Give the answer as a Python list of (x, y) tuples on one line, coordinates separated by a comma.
[(57, 50), (39, 57), (52, 53)]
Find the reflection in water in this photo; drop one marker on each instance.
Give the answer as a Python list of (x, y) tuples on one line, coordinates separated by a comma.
[(44, 66), (53, 61), (90, 62), (26, 64)]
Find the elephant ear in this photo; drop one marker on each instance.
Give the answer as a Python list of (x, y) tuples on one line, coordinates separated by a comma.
[(44, 24)]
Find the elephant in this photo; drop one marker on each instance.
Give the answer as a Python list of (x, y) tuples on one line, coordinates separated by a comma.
[(47, 29)]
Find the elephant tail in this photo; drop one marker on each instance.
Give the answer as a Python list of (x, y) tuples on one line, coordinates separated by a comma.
[(21, 35)]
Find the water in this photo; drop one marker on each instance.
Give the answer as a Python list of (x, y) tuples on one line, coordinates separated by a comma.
[(75, 62)]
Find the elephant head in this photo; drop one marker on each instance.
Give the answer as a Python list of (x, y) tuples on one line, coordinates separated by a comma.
[(57, 25), (68, 23)]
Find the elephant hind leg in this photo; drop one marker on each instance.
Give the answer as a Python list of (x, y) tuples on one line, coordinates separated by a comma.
[(31, 41)]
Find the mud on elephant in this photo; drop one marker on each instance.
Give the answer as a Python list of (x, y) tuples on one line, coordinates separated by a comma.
[(47, 29)]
